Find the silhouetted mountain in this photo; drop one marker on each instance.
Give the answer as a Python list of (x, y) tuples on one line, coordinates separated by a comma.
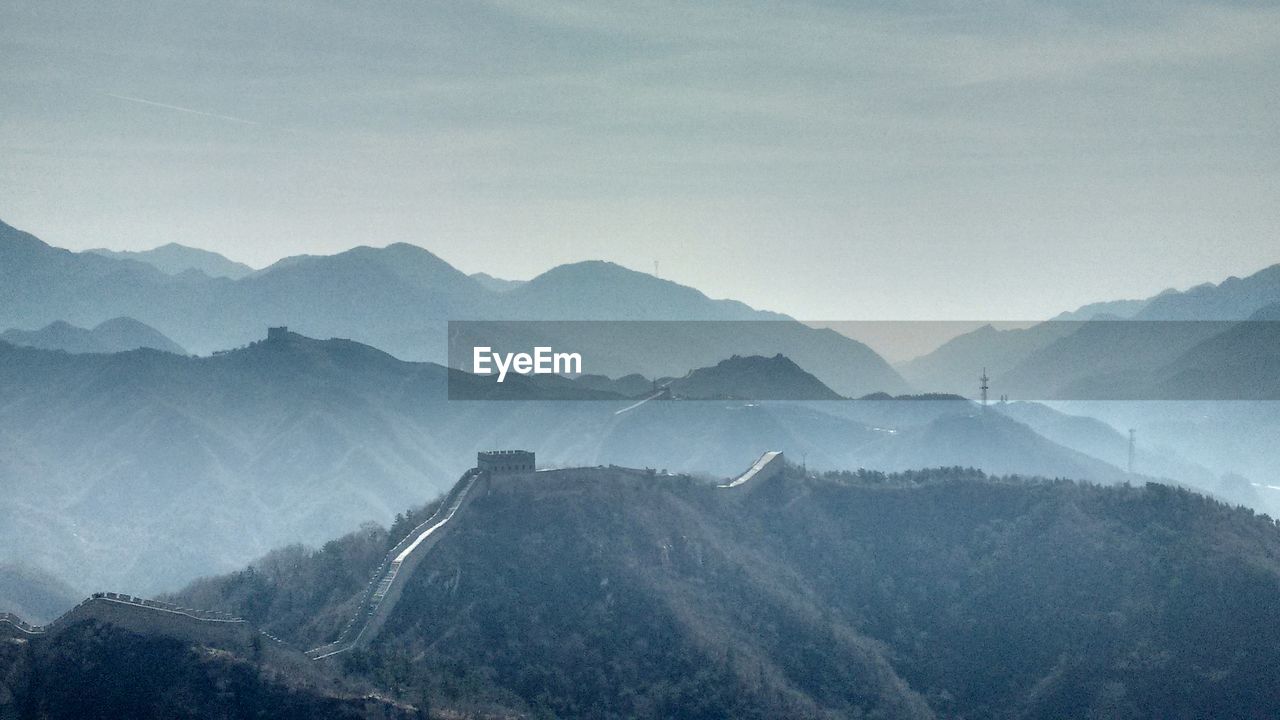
[(597, 290), (1241, 363), (1103, 359), (175, 259), (984, 439), (118, 468), (151, 465), (496, 284), (1154, 455), (400, 298), (633, 385), (955, 366), (40, 284), (33, 594), (1104, 367), (611, 593), (1232, 299), (397, 298), (1115, 359), (1122, 309), (707, 332), (752, 378), (1098, 439), (115, 335)]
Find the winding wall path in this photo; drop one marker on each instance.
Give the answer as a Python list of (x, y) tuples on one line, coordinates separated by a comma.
[(377, 603), (383, 591), (769, 464), (139, 615)]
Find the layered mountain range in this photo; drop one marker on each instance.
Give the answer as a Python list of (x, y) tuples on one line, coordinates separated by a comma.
[(141, 469), (400, 298), (138, 470), (109, 336), (1141, 358)]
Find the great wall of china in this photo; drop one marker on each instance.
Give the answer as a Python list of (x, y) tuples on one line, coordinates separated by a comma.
[(387, 582), (139, 615), (376, 604)]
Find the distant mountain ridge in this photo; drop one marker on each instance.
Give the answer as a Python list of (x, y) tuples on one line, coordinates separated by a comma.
[(1242, 363), (400, 298), (1232, 299), (110, 462), (1106, 308), (111, 336), (956, 364), (33, 594), (1092, 351), (753, 378), (175, 259), (496, 284), (601, 290)]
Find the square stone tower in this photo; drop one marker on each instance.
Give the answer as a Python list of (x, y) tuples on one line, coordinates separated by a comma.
[(506, 462)]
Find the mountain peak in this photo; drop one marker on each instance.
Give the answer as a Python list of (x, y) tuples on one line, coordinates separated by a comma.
[(496, 284), (753, 377), (402, 260), (14, 240), (603, 290), (604, 271), (119, 334), (174, 259), (1234, 298)]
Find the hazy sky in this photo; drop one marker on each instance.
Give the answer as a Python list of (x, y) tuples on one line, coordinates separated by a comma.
[(829, 160)]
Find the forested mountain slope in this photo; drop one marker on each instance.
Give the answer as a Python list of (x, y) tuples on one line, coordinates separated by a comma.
[(945, 593)]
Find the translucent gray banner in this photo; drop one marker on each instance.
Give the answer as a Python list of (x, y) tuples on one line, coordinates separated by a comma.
[(1103, 359)]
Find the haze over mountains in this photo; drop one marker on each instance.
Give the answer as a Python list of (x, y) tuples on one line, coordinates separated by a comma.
[(753, 378), (110, 336), (1088, 354), (399, 298), (138, 470), (496, 284), (176, 259), (106, 455), (35, 595), (131, 466), (639, 361)]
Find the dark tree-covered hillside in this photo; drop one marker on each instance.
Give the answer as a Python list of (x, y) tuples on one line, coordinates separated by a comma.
[(938, 593)]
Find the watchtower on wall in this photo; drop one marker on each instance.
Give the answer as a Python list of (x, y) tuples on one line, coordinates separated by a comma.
[(277, 334), (506, 462)]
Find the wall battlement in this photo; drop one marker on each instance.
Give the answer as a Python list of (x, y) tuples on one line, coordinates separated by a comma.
[(139, 615), (506, 462)]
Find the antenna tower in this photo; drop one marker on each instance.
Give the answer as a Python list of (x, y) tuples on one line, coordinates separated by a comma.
[(984, 386), (1132, 441)]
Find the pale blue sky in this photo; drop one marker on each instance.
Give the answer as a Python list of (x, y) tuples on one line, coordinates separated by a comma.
[(828, 160)]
